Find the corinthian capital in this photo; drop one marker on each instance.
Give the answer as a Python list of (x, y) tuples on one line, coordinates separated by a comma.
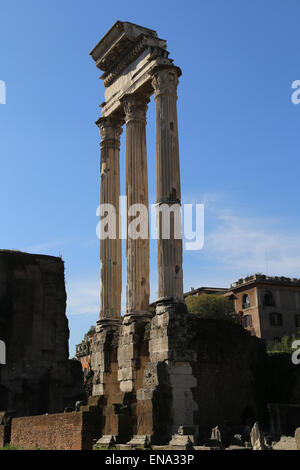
[(135, 107), (110, 131), (165, 80)]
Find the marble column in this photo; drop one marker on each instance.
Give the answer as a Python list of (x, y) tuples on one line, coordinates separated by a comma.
[(110, 248), (137, 250), (168, 191)]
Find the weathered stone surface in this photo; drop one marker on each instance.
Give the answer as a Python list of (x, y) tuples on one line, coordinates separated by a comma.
[(66, 431), (236, 447), (180, 442), (168, 189), (297, 438), (137, 249), (216, 437), (133, 334), (37, 377), (230, 371), (204, 448), (105, 441), (6, 417), (286, 443), (165, 394), (110, 247), (139, 442), (161, 376), (257, 438), (127, 54), (168, 377), (103, 357), (5, 427)]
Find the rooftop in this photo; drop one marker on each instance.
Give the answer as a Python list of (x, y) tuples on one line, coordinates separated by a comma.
[(255, 278), (206, 290)]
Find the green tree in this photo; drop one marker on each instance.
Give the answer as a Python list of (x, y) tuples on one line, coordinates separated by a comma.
[(213, 306), (283, 345), (90, 332)]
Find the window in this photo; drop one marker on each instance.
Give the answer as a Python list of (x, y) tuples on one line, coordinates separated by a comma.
[(246, 301), (268, 299), (275, 319), (297, 320), (247, 321)]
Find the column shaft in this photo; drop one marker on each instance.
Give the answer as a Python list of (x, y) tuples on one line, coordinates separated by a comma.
[(168, 191), (137, 250), (110, 249)]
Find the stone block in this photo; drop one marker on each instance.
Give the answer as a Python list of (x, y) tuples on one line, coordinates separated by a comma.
[(126, 386), (181, 442), (257, 438), (105, 442), (139, 442), (297, 438), (144, 394)]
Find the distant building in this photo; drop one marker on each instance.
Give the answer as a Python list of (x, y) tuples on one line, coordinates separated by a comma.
[(268, 307), (84, 351), (205, 290)]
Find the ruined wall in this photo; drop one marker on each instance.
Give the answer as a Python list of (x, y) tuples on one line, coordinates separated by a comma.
[(185, 371), (67, 431), (119, 357), (38, 377), (230, 368)]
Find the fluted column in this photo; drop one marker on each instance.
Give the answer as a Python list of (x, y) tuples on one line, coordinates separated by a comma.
[(110, 248), (137, 250), (168, 191)]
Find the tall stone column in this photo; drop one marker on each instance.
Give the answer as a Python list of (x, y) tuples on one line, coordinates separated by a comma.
[(110, 248), (137, 250), (104, 354), (168, 191), (137, 247)]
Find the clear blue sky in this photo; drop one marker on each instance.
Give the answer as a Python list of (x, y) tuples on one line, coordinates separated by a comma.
[(239, 135)]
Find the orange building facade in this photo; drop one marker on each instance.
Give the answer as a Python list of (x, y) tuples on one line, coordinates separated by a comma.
[(268, 307), (84, 352)]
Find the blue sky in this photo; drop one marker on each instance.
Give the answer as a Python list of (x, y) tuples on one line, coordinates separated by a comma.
[(239, 135)]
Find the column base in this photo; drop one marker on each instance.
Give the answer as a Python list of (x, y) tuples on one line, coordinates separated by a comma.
[(130, 317), (104, 323), (169, 301), (132, 336), (165, 403), (104, 354)]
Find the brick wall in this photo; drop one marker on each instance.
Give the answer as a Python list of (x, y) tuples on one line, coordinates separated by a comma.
[(66, 431)]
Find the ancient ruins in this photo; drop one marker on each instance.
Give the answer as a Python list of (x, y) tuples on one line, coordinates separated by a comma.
[(164, 379), (38, 376), (146, 367), (135, 63)]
